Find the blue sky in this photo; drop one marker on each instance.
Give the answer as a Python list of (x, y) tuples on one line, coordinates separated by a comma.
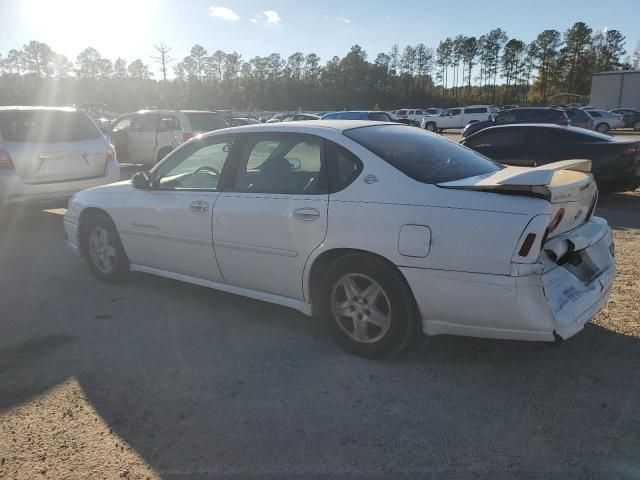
[(128, 28)]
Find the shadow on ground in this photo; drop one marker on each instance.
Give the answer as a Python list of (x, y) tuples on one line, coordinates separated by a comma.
[(205, 384)]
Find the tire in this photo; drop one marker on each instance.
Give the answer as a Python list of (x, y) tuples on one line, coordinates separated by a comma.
[(602, 128), (163, 153), (103, 249), (430, 127), (636, 126), (374, 324)]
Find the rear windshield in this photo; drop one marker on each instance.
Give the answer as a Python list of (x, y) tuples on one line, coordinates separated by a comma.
[(425, 157), (205, 122), (46, 126)]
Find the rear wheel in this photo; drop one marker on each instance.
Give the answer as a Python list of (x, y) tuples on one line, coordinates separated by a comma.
[(368, 306), (103, 249), (636, 126), (430, 126), (602, 127)]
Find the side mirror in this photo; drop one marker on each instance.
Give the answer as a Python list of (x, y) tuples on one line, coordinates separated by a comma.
[(141, 181)]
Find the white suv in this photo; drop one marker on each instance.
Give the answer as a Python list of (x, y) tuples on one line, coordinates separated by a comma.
[(48, 154), (459, 117), (147, 136)]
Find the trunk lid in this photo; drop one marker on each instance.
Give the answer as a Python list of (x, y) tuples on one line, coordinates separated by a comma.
[(58, 162), (567, 186)]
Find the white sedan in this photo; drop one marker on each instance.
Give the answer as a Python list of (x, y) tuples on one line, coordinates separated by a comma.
[(375, 227)]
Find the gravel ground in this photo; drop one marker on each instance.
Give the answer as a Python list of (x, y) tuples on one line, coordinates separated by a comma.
[(155, 378)]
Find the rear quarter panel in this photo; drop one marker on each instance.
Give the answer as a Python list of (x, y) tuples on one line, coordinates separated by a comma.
[(470, 231)]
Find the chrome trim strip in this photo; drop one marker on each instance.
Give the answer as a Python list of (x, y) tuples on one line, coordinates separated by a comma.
[(255, 248), (166, 236)]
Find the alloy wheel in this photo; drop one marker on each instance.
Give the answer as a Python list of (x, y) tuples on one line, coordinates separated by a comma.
[(102, 250), (361, 308)]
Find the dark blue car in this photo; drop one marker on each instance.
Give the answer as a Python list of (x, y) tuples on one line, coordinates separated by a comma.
[(520, 115)]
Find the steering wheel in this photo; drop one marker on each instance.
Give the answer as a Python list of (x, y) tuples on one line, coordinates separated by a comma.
[(207, 168)]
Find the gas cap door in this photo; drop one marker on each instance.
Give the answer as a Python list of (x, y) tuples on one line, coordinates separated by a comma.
[(414, 241)]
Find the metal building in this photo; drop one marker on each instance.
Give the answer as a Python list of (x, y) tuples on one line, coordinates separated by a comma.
[(620, 89)]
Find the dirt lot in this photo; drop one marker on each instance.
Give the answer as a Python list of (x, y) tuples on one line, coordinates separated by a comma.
[(155, 378)]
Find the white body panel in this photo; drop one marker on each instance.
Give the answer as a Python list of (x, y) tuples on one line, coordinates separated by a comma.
[(455, 248)]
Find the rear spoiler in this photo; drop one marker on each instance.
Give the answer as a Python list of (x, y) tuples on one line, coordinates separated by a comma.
[(520, 180)]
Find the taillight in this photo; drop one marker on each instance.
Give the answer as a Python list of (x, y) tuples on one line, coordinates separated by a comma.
[(527, 244), (186, 136), (111, 153), (5, 161), (556, 220), (593, 206), (632, 150)]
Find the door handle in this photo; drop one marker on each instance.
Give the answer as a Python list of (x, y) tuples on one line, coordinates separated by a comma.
[(306, 214), (199, 207)]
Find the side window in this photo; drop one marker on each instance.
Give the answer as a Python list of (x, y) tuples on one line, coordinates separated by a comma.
[(282, 164), (455, 111), (475, 110), (506, 117), (344, 167), (144, 123), (419, 112), (502, 137), (123, 124), (197, 166), (379, 117), (168, 123)]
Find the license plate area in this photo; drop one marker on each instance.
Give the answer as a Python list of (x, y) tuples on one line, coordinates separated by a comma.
[(581, 266)]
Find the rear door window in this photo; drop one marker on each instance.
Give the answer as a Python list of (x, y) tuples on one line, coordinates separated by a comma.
[(420, 155), (499, 137), (46, 126), (506, 117), (205, 121), (145, 122), (379, 117), (168, 123), (475, 110)]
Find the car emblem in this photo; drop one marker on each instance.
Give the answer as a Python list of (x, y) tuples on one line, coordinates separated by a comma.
[(369, 179), (578, 215)]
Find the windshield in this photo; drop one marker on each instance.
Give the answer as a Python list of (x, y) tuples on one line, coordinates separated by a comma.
[(422, 156), (46, 126)]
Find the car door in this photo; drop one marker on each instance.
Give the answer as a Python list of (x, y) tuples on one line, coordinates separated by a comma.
[(119, 137), (451, 118), (169, 227), (503, 144), (274, 214), (168, 134), (142, 138)]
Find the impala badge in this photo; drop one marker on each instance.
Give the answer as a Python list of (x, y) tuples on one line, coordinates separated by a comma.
[(369, 179)]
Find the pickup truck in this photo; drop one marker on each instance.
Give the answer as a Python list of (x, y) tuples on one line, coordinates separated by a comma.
[(458, 117)]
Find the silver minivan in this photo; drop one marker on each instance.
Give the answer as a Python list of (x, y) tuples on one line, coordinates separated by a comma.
[(147, 136), (50, 153)]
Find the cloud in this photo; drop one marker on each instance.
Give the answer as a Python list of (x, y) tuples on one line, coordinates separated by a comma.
[(272, 17), (253, 20), (343, 19), (224, 13)]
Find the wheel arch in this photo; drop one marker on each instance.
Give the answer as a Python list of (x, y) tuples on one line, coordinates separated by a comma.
[(325, 258), (85, 215)]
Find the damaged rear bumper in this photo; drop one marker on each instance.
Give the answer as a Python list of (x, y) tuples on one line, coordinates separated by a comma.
[(557, 300)]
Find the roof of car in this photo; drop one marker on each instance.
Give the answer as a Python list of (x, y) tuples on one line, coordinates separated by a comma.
[(174, 111), (27, 108), (304, 126), (582, 131)]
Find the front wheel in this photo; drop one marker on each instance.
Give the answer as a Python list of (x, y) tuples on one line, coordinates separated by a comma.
[(602, 128), (430, 127), (368, 306), (103, 249)]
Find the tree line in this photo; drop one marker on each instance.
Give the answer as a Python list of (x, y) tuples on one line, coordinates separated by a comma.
[(491, 68)]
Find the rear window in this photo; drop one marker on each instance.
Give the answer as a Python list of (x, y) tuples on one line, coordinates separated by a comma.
[(205, 122), (422, 156), (46, 126)]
